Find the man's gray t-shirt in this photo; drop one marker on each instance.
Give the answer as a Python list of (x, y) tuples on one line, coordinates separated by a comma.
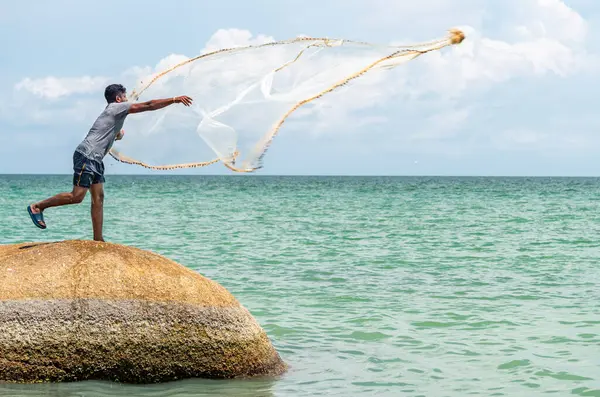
[(102, 135)]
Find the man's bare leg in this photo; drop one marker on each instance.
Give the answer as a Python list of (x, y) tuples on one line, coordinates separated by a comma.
[(97, 192), (66, 198)]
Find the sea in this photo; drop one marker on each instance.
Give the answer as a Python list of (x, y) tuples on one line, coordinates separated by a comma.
[(366, 286)]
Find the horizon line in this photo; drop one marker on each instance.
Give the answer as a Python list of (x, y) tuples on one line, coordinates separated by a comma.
[(324, 175)]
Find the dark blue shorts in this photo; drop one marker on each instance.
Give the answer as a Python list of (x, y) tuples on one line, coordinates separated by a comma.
[(87, 172)]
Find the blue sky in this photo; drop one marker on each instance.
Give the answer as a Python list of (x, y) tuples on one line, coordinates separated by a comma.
[(516, 98)]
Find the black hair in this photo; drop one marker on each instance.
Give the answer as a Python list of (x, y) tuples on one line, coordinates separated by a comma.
[(112, 91)]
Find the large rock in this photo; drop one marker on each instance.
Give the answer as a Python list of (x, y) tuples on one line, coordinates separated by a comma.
[(77, 310)]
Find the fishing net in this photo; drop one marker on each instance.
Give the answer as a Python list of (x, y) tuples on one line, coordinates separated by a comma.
[(244, 95)]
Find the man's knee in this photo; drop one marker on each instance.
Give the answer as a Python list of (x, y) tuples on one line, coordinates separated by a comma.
[(77, 197), (78, 194)]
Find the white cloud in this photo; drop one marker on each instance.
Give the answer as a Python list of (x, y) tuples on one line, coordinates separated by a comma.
[(533, 38), (481, 62), (55, 87), (231, 38), (549, 39), (553, 20)]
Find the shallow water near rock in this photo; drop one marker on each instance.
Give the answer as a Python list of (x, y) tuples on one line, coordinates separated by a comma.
[(387, 286)]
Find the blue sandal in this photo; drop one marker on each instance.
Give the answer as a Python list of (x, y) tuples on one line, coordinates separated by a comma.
[(36, 218)]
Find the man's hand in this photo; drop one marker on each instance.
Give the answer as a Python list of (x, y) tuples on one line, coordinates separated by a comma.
[(120, 135), (186, 100)]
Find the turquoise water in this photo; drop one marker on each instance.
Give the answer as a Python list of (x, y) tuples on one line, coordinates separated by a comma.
[(368, 286)]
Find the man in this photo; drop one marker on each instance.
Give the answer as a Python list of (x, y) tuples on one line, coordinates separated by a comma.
[(88, 166)]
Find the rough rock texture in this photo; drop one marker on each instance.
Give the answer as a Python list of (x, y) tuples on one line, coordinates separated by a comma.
[(78, 310)]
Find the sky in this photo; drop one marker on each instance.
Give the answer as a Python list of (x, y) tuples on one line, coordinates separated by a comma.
[(516, 98)]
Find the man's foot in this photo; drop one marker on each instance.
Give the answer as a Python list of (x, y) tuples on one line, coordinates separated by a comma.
[(36, 216)]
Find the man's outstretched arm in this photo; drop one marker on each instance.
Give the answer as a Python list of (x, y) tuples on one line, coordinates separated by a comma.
[(156, 104)]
